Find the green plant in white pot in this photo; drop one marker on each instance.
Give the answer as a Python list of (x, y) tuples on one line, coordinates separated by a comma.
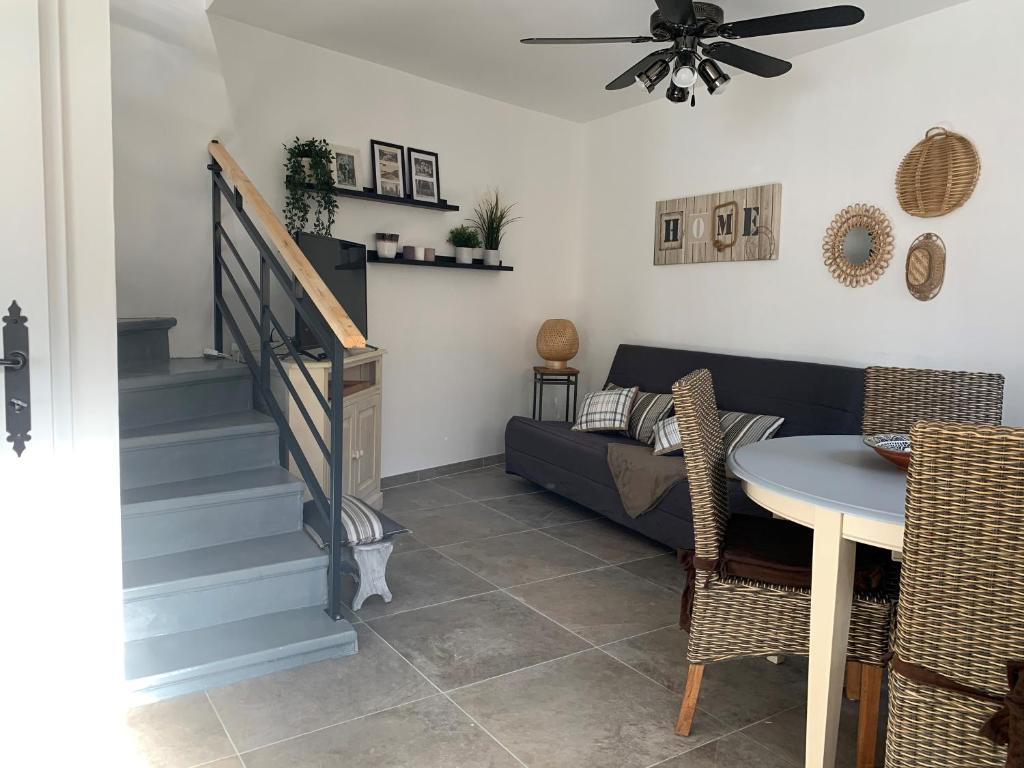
[(492, 219), (464, 239)]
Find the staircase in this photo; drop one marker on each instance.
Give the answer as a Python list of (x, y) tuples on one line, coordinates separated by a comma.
[(221, 583)]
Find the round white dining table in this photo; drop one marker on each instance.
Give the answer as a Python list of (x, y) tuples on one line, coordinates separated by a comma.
[(847, 493)]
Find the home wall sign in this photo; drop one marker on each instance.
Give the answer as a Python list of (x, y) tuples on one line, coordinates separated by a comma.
[(738, 225)]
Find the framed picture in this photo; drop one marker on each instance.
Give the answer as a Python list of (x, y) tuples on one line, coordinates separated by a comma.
[(388, 168), (348, 168), (424, 175)]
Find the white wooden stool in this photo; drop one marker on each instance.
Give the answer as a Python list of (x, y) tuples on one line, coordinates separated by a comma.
[(369, 533)]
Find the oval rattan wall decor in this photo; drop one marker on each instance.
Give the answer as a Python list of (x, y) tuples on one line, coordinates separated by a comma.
[(926, 266), (938, 175), (878, 226)]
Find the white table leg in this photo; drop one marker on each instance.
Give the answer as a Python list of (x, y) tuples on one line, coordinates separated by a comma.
[(831, 600)]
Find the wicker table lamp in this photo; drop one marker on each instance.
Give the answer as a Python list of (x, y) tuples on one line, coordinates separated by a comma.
[(557, 343)]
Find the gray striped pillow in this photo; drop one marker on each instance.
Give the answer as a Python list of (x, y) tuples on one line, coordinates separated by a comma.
[(744, 428), (648, 409), (361, 521), (739, 429)]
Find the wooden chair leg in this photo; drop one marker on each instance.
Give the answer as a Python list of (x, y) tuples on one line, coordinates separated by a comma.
[(867, 722), (853, 678), (693, 677)]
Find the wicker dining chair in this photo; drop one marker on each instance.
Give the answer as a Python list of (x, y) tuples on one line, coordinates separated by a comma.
[(735, 616), (960, 618), (896, 398)]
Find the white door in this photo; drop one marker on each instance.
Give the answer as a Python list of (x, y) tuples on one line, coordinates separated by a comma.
[(59, 535)]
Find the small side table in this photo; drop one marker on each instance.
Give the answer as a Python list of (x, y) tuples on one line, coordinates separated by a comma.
[(557, 377)]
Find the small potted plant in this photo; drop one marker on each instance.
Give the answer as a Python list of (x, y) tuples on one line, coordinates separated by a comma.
[(464, 239), (309, 179), (491, 219)]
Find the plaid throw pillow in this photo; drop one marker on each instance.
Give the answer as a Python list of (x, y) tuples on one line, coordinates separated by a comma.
[(648, 409), (606, 411), (739, 429)]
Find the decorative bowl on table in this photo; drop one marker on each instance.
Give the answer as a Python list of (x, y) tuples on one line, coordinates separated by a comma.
[(895, 447)]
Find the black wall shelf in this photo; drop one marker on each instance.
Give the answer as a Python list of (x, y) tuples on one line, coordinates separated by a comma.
[(440, 261), (370, 194)]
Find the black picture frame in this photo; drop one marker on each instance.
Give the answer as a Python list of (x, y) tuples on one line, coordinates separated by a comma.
[(411, 175), (381, 185)]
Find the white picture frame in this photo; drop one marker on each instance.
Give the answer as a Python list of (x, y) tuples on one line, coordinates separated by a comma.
[(347, 168)]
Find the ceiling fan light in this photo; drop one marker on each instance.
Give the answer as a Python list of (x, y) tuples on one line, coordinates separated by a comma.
[(713, 76), (677, 95), (654, 74), (684, 76)]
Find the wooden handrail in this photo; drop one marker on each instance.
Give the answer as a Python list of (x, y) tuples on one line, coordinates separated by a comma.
[(333, 313)]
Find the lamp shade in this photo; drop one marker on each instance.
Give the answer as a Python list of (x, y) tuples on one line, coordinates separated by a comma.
[(557, 342)]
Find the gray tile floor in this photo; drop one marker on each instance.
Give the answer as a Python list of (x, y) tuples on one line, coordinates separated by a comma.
[(524, 631)]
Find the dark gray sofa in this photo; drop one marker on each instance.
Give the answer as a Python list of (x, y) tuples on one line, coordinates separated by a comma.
[(815, 399)]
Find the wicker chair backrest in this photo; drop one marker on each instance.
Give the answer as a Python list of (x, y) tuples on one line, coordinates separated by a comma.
[(704, 453), (896, 398), (961, 605)]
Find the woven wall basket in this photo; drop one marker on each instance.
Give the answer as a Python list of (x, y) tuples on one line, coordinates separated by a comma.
[(926, 266), (938, 174)]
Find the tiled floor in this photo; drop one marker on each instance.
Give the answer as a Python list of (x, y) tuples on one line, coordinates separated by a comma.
[(524, 632)]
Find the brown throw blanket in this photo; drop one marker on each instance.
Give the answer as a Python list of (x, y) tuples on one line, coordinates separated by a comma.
[(642, 478)]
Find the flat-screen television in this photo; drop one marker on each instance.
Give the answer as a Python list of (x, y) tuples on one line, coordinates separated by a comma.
[(342, 266)]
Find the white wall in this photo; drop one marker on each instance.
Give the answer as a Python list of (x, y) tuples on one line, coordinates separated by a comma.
[(460, 344), (832, 132), (169, 101)]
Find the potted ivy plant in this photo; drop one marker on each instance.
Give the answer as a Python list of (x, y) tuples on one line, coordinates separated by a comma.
[(492, 219), (309, 183), (464, 239)]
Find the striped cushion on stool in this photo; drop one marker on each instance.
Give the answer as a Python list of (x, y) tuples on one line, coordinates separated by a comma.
[(362, 522)]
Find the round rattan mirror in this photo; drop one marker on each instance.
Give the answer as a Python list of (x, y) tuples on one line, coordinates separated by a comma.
[(858, 245)]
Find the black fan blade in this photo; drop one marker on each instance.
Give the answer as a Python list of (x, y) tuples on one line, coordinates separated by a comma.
[(677, 11), (800, 21), (584, 40), (751, 61), (628, 77)]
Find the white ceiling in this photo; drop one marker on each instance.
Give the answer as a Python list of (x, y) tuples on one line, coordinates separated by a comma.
[(474, 44)]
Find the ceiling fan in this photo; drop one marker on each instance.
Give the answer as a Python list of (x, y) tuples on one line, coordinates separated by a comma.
[(687, 24)]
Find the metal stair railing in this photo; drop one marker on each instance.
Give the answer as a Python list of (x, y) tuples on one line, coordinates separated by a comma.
[(331, 325)]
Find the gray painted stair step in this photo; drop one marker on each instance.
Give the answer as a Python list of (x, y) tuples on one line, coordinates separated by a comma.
[(183, 450), (191, 514), (229, 582), (143, 339), (163, 391), (171, 665)]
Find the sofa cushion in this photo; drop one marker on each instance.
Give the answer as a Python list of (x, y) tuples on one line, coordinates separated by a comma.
[(556, 442), (606, 411), (738, 429), (649, 408), (779, 552)]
